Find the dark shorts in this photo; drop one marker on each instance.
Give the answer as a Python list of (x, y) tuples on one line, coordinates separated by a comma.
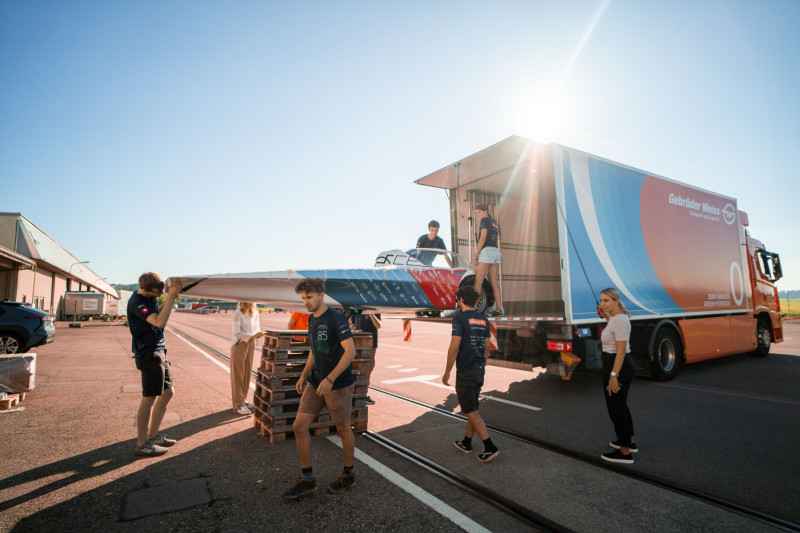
[(156, 375), (468, 388), (339, 402)]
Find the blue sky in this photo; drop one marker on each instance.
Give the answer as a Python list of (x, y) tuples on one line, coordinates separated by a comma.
[(202, 137)]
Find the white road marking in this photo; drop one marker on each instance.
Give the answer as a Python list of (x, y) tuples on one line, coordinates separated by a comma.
[(427, 381), (462, 521), (395, 366), (408, 370), (422, 379), (210, 357)]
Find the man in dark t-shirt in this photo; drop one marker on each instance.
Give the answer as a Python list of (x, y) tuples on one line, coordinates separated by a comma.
[(326, 381), (430, 240), (146, 322), (467, 351)]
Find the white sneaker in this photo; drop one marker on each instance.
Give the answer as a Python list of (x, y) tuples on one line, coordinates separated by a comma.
[(243, 410)]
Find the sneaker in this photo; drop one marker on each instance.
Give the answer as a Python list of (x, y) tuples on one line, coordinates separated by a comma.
[(149, 450), (163, 440), (631, 447), (498, 313), (300, 488), (243, 410), (342, 483), (618, 457), (369, 401), (485, 457), (460, 445), (249, 404)]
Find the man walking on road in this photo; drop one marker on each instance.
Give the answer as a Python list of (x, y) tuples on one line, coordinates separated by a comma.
[(147, 324), (468, 351), (327, 380)]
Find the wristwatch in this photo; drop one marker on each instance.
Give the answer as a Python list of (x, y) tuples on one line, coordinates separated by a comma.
[(613, 374)]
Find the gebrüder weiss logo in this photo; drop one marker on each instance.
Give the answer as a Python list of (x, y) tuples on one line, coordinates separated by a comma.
[(729, 214)]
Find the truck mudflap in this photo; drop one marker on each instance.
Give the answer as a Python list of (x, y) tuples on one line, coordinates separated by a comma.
[(565, 367)]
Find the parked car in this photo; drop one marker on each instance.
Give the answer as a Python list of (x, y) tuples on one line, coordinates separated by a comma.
[(23, 327)]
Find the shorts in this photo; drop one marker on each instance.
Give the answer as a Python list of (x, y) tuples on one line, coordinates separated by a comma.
[(156, 374), (468, 388), (490, 255), (339, 402)]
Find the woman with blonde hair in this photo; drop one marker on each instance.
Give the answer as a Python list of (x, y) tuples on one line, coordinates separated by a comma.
[(618, 372), (246, 329)]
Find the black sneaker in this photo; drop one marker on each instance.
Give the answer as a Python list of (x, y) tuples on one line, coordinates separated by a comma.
[(149, 450), (485, 457), (300, 488), (618, 457), (163, 440), (461, 447), (369, 401), (632, 447), (342, 483)]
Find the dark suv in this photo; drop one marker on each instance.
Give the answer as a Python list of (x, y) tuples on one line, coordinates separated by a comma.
[(23, 327)]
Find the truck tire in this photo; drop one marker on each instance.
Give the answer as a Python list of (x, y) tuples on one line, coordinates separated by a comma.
[(486, 299), (667, 354), (10, 343), (764, 336)]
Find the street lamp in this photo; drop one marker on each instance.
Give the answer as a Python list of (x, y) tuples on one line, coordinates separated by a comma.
[(74, 324)]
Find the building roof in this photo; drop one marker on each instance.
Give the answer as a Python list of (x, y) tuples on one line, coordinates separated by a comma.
[(34, 243), (14, 257)]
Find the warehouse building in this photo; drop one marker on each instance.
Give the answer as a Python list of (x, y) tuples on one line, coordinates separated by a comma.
[(36, 270)]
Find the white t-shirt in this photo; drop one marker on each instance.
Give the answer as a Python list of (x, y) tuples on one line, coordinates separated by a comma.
[(617, 329), (245, 326)]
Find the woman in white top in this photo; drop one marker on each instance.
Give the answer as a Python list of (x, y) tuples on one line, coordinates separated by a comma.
[(246, 329), (618, 373)]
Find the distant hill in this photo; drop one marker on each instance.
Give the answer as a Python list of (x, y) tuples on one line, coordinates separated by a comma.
[(126, 286)]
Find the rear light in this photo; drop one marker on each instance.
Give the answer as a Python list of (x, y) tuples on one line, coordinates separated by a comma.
[(559, 346), (40, 317)]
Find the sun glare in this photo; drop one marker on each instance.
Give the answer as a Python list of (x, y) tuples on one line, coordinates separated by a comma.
[(542, 118)]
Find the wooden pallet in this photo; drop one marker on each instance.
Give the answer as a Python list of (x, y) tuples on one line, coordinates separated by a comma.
[(277, 429), (11, 401)]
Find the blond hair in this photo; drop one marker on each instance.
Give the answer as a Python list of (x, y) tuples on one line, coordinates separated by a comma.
[(614, 295), (247, 307)]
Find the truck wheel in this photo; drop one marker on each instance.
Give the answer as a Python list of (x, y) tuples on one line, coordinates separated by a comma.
[(667, 354), (486, 299), (764, 339), (10, 343)]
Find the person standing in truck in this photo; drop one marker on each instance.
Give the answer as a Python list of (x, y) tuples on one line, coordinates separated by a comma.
[(467, 351), (618, 373), (488, 256), (146, 322)]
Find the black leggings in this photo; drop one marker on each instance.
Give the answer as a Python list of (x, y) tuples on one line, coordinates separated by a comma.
[(617, 404)]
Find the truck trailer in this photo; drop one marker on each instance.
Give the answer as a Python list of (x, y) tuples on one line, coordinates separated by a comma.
[(697, 285), (80, 305)]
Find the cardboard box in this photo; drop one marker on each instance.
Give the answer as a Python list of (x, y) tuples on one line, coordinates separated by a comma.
[(17, 372)]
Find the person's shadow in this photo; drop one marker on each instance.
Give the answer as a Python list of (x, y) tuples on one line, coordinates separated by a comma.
[(98, 461)]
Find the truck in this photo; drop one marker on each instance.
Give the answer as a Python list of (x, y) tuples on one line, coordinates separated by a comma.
[(696, 283), (81, 305)]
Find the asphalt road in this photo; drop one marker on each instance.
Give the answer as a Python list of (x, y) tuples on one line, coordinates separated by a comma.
[(727, 427)]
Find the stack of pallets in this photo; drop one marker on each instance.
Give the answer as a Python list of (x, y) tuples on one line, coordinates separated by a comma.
[(276, 398)]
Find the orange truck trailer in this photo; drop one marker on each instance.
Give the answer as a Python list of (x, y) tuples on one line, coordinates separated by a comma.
[(697, 285)]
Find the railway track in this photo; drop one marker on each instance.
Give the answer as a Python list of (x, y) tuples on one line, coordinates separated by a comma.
[(512, 508)]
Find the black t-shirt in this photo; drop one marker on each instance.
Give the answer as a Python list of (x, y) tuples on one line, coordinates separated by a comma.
[(363, 322), (326, 333), (473, 329), (491, 232), (146, 337), (425, 242)]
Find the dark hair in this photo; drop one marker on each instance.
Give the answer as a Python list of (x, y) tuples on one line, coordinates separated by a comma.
[(310, 285), (468, 295), (482, 207), (433, 224), (149, 281)]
